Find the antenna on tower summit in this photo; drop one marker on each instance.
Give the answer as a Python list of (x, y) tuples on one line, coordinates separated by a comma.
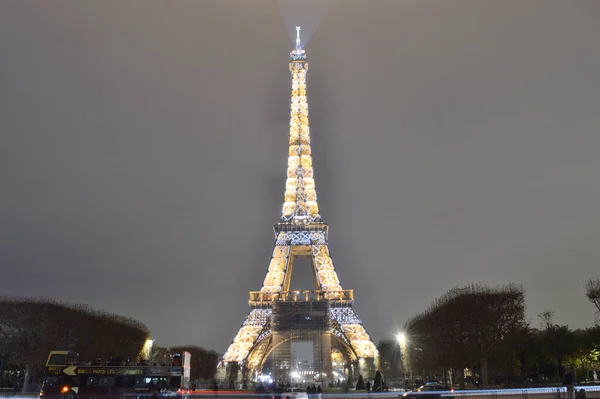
[(298, 48)]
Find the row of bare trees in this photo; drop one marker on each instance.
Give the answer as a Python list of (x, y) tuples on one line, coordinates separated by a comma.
[(466, 325), (31, 328), (484, 329)]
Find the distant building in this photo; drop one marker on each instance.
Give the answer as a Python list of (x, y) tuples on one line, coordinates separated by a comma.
[(302, 371)]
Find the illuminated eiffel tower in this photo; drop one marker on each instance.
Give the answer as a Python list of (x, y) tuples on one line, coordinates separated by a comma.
[(278, 316)]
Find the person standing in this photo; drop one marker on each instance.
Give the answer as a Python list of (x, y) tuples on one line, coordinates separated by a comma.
[(569, 383)]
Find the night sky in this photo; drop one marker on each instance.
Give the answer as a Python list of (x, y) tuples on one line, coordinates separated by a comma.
[(143, 151)]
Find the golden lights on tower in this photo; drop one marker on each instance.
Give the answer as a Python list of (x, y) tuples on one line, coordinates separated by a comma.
[(300, 198), (300, 209)]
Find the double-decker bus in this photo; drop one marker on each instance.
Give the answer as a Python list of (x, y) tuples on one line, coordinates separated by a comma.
[(65, 377)]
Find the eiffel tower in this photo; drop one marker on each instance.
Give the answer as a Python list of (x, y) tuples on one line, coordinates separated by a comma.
[(278, 316)]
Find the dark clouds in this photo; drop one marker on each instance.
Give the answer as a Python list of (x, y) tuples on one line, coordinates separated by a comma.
[(143, 152)]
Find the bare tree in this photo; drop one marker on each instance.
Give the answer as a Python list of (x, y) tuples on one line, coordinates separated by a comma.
[(160, 355), (31, 328), (466, 325), (592, 291), (390, 358), (26, 328), (547, 318)]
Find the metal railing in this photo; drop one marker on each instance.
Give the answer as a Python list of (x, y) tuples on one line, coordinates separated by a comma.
[(257, 297)]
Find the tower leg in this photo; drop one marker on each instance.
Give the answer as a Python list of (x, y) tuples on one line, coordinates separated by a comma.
[(282, 355), (322, 357)]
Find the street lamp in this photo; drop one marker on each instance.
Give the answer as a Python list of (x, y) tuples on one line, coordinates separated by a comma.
[(402, 340), (151, 342), (401, 337), (146, 352)]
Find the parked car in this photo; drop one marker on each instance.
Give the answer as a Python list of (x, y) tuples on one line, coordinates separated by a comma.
[(294, 393), (431, 390)]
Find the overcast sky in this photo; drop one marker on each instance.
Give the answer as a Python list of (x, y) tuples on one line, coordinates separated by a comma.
[(143, 151)]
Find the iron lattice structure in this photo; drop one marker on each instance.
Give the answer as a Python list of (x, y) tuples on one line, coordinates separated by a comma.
[(300, 233)]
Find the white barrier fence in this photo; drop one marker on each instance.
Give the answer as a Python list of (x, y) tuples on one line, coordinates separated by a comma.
[(582, 392)]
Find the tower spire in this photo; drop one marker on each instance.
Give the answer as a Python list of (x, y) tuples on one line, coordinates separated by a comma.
[(298, 47), (300, 200)]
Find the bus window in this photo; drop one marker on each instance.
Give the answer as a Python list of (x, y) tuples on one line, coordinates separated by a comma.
[(51, 381), (71, 381), (100, 382), (62, 358), (106, 381), (152, 382), (57, 359), (125, 381), (160, 382), (72, 358), (92, 382)]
